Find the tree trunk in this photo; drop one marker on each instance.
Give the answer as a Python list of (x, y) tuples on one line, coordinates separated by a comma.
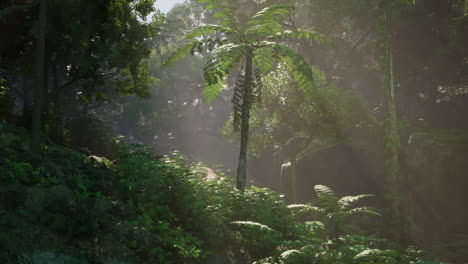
[(39, 88), (246, 105), (294, 179), (394, 176)]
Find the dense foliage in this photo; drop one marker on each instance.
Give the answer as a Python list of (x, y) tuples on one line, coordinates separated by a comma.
[(144, 208)]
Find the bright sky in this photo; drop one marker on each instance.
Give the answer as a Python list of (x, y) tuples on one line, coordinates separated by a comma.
[(166, 5)]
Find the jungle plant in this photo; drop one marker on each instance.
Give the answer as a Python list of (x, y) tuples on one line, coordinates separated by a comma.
[(256, 47), (336, 211)]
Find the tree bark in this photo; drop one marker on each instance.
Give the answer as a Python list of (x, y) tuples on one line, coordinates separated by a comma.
[(41, 72), (246, 106)]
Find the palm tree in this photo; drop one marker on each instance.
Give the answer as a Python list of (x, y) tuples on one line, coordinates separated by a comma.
[(256, 47)]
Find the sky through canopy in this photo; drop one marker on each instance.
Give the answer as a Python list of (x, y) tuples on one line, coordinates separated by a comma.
[(166, 5)]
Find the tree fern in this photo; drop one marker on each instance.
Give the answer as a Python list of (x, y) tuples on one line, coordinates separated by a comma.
[(261, 57)]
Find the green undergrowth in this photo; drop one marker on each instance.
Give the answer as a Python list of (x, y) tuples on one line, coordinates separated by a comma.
[(143, 208)]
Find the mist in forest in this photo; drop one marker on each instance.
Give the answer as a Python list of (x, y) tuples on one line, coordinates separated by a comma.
[(430, 82), (343, 141), (308, 98)]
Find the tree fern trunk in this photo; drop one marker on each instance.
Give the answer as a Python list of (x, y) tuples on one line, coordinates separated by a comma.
[(246, 105), (40, 68)]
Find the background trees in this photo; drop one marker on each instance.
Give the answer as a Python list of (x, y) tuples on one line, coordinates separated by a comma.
[(91, 51)]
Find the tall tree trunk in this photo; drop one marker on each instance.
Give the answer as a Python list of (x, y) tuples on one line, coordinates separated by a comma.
[(246, 105), (394, 175), (40, 68)]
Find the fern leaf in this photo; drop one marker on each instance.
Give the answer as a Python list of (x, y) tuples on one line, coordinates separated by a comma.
[(364, 210), (182, 52), (297, 66), (315, 226), (211, 92), (275, 13), (266, 21), (300, 34), (221, 61), (293, 256), (204, 30), (228, 18), (305, 208), (348, 201), (253, 225), (327, 198), (264, 60), (377, 256)]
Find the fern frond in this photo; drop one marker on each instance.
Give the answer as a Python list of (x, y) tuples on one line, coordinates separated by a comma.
[(315, 226), (364, 210), (218, 65), (293, 256), (327, 198), (299, 69), (182, 52), (204, 30), (228, 18), (305, 208), (273, 12), (211, 92), (347, 201), (253, 225), (221, 61), (377, 256), (264, 61), (266, 21), (303, 34)]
